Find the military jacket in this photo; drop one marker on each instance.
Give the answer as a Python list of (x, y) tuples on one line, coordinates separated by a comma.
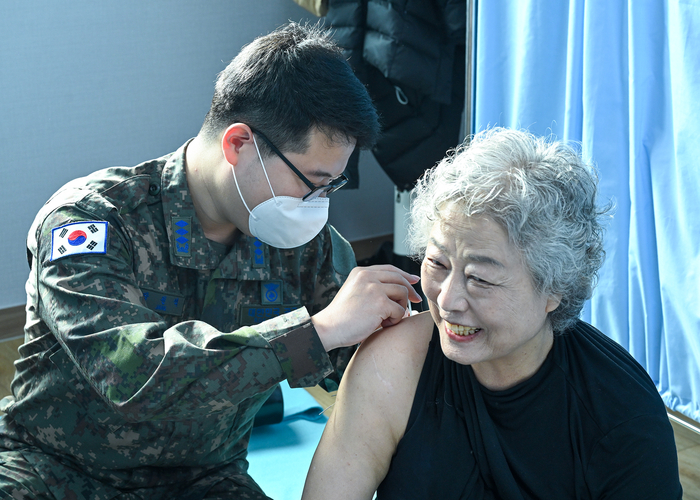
[(148, 344)]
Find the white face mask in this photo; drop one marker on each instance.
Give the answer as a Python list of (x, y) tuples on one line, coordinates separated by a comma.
[(285, 221)]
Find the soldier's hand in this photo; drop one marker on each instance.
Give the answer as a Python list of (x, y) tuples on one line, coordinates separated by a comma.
[(372, 297)]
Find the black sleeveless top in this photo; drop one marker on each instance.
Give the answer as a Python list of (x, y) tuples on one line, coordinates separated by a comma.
[(558, 435)]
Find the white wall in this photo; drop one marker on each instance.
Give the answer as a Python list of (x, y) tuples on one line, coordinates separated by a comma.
[(86, 85)]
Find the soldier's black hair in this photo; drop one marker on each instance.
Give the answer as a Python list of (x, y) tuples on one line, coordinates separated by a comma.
[(288, 82)]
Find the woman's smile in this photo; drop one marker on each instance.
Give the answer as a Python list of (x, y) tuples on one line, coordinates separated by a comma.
[(461, 333)]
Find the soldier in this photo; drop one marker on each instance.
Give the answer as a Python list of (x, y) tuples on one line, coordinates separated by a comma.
[(166, 301)]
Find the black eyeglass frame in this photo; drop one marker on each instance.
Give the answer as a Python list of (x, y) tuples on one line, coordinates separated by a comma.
[(316, 191)]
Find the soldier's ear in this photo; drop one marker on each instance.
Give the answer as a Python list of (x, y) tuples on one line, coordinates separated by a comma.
[(233, 138)]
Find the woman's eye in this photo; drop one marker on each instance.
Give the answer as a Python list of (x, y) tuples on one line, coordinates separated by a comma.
[(434, 262), (478, 281)]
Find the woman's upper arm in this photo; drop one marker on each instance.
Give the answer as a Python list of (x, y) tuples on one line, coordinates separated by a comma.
[(370, 414)]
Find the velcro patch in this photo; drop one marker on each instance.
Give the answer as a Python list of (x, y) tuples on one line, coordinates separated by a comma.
[(182, 226), (79, 238), (254, 314), (164, 303), (271, 292), (258, 252)]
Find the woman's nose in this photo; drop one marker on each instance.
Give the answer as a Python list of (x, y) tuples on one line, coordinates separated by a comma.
[(453, 294)]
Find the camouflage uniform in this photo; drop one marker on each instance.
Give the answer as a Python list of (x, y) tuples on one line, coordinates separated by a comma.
[(144, 366)]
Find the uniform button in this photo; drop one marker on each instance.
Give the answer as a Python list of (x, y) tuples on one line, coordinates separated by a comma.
[(153, 189)]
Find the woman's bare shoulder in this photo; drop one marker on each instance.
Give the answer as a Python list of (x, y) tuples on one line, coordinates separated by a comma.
[(402, 342), (371, 412), (383, 375)]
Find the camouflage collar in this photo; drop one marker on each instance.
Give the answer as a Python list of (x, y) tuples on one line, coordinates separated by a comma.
[(188, 246), (248, 259)]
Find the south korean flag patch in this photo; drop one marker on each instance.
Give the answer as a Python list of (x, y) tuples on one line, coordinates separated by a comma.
[(78, 238)]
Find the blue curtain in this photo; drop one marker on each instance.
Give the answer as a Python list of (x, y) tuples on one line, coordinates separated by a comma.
[(623, 80)]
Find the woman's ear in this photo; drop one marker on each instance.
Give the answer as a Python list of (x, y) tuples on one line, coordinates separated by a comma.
[(553, 302), (233, 138)]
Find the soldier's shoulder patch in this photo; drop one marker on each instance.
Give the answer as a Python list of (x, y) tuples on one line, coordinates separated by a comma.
[(78, 238)]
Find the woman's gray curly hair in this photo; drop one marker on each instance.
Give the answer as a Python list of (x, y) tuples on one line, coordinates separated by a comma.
[(542, 193)]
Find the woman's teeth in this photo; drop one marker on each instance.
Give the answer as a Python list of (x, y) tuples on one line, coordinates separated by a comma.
[(463, 330)]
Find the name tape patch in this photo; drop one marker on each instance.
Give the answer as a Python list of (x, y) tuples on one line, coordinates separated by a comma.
[(79, 238), (164, 303), (254, 314)]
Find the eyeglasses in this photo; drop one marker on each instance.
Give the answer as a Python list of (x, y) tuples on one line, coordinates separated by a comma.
[(335, 183)]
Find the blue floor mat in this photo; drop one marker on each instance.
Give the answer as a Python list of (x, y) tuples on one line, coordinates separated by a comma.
[(280, 454)]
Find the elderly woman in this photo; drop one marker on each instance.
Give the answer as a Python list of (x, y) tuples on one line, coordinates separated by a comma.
[(501, 392)]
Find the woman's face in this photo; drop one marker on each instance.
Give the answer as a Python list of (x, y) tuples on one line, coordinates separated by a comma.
[(483, 301)]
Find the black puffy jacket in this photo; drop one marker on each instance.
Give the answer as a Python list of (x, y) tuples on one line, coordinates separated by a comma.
[(410, 54)]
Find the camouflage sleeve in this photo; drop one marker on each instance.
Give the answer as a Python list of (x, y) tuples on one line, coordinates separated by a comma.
[(142, 367), (299, 350)]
